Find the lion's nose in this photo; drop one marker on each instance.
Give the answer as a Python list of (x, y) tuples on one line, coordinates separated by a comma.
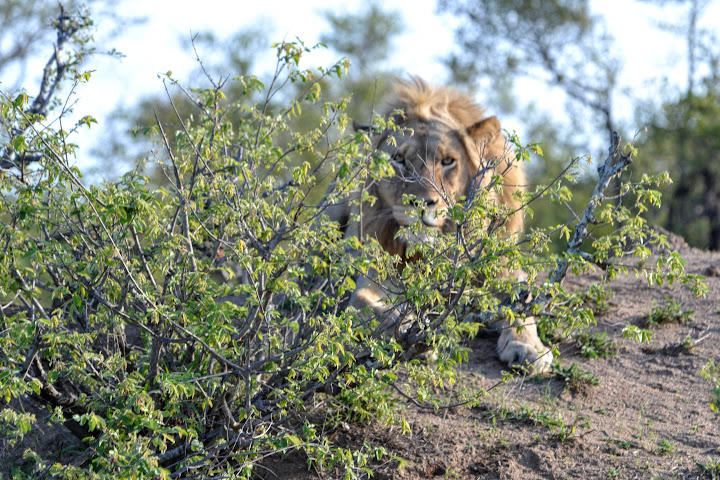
[(429, 216), (425, 202)]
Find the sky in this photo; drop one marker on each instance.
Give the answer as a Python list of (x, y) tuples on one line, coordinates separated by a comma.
[(155, 46), (162, 43)]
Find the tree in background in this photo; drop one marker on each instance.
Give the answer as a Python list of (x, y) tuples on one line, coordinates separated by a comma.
[(70, 49), (684, 135), (502, 43), (27, 28), (563, 44), (364, 37), (684, 138), (697, 40), (25, 32)]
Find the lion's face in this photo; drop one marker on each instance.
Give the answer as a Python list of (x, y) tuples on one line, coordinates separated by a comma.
[(434, 166), (431, 169)]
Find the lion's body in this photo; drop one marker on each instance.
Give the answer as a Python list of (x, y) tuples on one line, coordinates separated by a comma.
[(443, 142)]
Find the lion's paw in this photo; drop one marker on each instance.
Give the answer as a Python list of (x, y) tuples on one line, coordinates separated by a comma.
[(522, 353)]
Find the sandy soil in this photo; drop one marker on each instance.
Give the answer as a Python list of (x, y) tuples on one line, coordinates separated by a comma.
[(648, 417)]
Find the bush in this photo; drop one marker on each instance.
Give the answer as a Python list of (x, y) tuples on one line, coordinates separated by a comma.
[(193, 328)]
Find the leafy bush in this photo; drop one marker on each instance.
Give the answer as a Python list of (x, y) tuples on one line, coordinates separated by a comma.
[(671, 312), (711, 371), (575, 377), (595, 345), (193, 328), (710, 468)]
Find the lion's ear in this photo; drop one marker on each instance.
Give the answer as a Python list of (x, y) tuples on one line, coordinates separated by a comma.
[(484, 130), (360, 127)]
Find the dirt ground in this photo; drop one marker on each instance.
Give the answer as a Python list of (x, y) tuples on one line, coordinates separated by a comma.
[(648, 418)]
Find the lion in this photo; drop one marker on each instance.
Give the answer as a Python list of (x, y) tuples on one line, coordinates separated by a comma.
[(444, 139)]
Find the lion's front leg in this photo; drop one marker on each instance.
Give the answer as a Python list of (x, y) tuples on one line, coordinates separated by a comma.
[(520, 345)]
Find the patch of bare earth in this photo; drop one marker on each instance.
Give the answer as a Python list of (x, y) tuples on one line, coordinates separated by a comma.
[(648, 417)]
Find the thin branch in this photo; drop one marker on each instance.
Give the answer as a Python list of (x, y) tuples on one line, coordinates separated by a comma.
[(613, 165)]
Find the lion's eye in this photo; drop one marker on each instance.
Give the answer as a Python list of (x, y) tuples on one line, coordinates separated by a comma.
[(447, 162), (398, 160)]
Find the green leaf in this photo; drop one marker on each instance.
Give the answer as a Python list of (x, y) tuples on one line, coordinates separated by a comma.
[(20, 100), (36, 386), (19, 144)]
